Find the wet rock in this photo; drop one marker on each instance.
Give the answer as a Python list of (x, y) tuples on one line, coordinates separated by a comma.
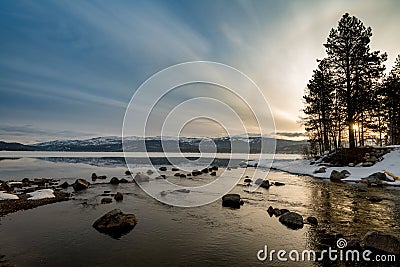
[(149, 172), (265, 184), (214, 168), (232, 201), (213, 174), (382, 242), (94, 176), (278, 184), (196, 172), (177, 174), (312, 220), (183, 175), (26, 181), (140, 178), (64, 185), (205, 170), (128, 172), (106, 200), (248, 180), (175, 169), (320, 170), (123, 181), (270, 211), (80, 184), (277, 212), (283, 211), (163, 169), (292, 220), (115, 223), (114, 181), (119, 196)]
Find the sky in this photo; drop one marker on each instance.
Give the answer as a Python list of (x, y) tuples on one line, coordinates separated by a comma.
[(69, 69)]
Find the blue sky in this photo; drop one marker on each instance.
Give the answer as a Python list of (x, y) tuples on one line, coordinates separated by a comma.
[(68, 69)]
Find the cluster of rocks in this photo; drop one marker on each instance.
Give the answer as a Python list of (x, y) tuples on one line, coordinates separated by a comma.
[(210, 170), (117, 197), (263, 183), (27, 185), (292, 220)]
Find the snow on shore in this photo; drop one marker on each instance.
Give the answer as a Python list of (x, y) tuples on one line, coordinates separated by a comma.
[(390, 162), (40, 194), (4, 196)]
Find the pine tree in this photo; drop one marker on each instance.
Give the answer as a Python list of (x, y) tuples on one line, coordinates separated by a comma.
[(355, 68)]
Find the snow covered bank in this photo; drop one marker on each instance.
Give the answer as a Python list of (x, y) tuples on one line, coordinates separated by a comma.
[(390, 162)]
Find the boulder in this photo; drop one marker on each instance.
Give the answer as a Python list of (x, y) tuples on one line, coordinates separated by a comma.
[(115, 223), (232, 201), (320, 170), (265, 184), (312, 220), (248, 180), (292, 220), (118, 196), (123, 181), (380, 176), (213, 174), (106, 200), (382, 242), (283, 211), (140, 178), (163, 169), (114, 181), (64, 185), (196, 172), (258, 181), (80, 184), (338, 176)]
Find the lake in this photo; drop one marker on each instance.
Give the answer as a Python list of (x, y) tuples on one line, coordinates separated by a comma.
[(61, 234)]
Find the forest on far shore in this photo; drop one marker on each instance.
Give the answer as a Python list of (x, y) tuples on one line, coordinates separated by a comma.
[(349, 100)]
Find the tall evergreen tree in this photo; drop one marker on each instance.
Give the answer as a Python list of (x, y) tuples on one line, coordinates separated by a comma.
[(354, 66)]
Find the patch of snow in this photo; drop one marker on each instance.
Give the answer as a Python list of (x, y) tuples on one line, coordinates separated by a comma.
[(4, 196), (390, 162), (40, 194)]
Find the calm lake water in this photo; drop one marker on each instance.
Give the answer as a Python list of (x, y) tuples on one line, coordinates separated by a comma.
[(61, 234)]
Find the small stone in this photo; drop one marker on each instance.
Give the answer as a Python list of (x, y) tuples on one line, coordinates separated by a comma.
[(163, 169), (213, 174), (119, 196), (106, 200), (114, 181), (312, 220)]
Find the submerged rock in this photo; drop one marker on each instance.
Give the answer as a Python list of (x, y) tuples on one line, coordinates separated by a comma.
[(140, 178), (292, 220), (115, 223), (80, 184), (106, 200), (382, 242), (119, 196), (232, 201)]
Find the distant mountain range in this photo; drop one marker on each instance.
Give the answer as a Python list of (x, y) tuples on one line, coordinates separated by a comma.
[(235, 144)]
